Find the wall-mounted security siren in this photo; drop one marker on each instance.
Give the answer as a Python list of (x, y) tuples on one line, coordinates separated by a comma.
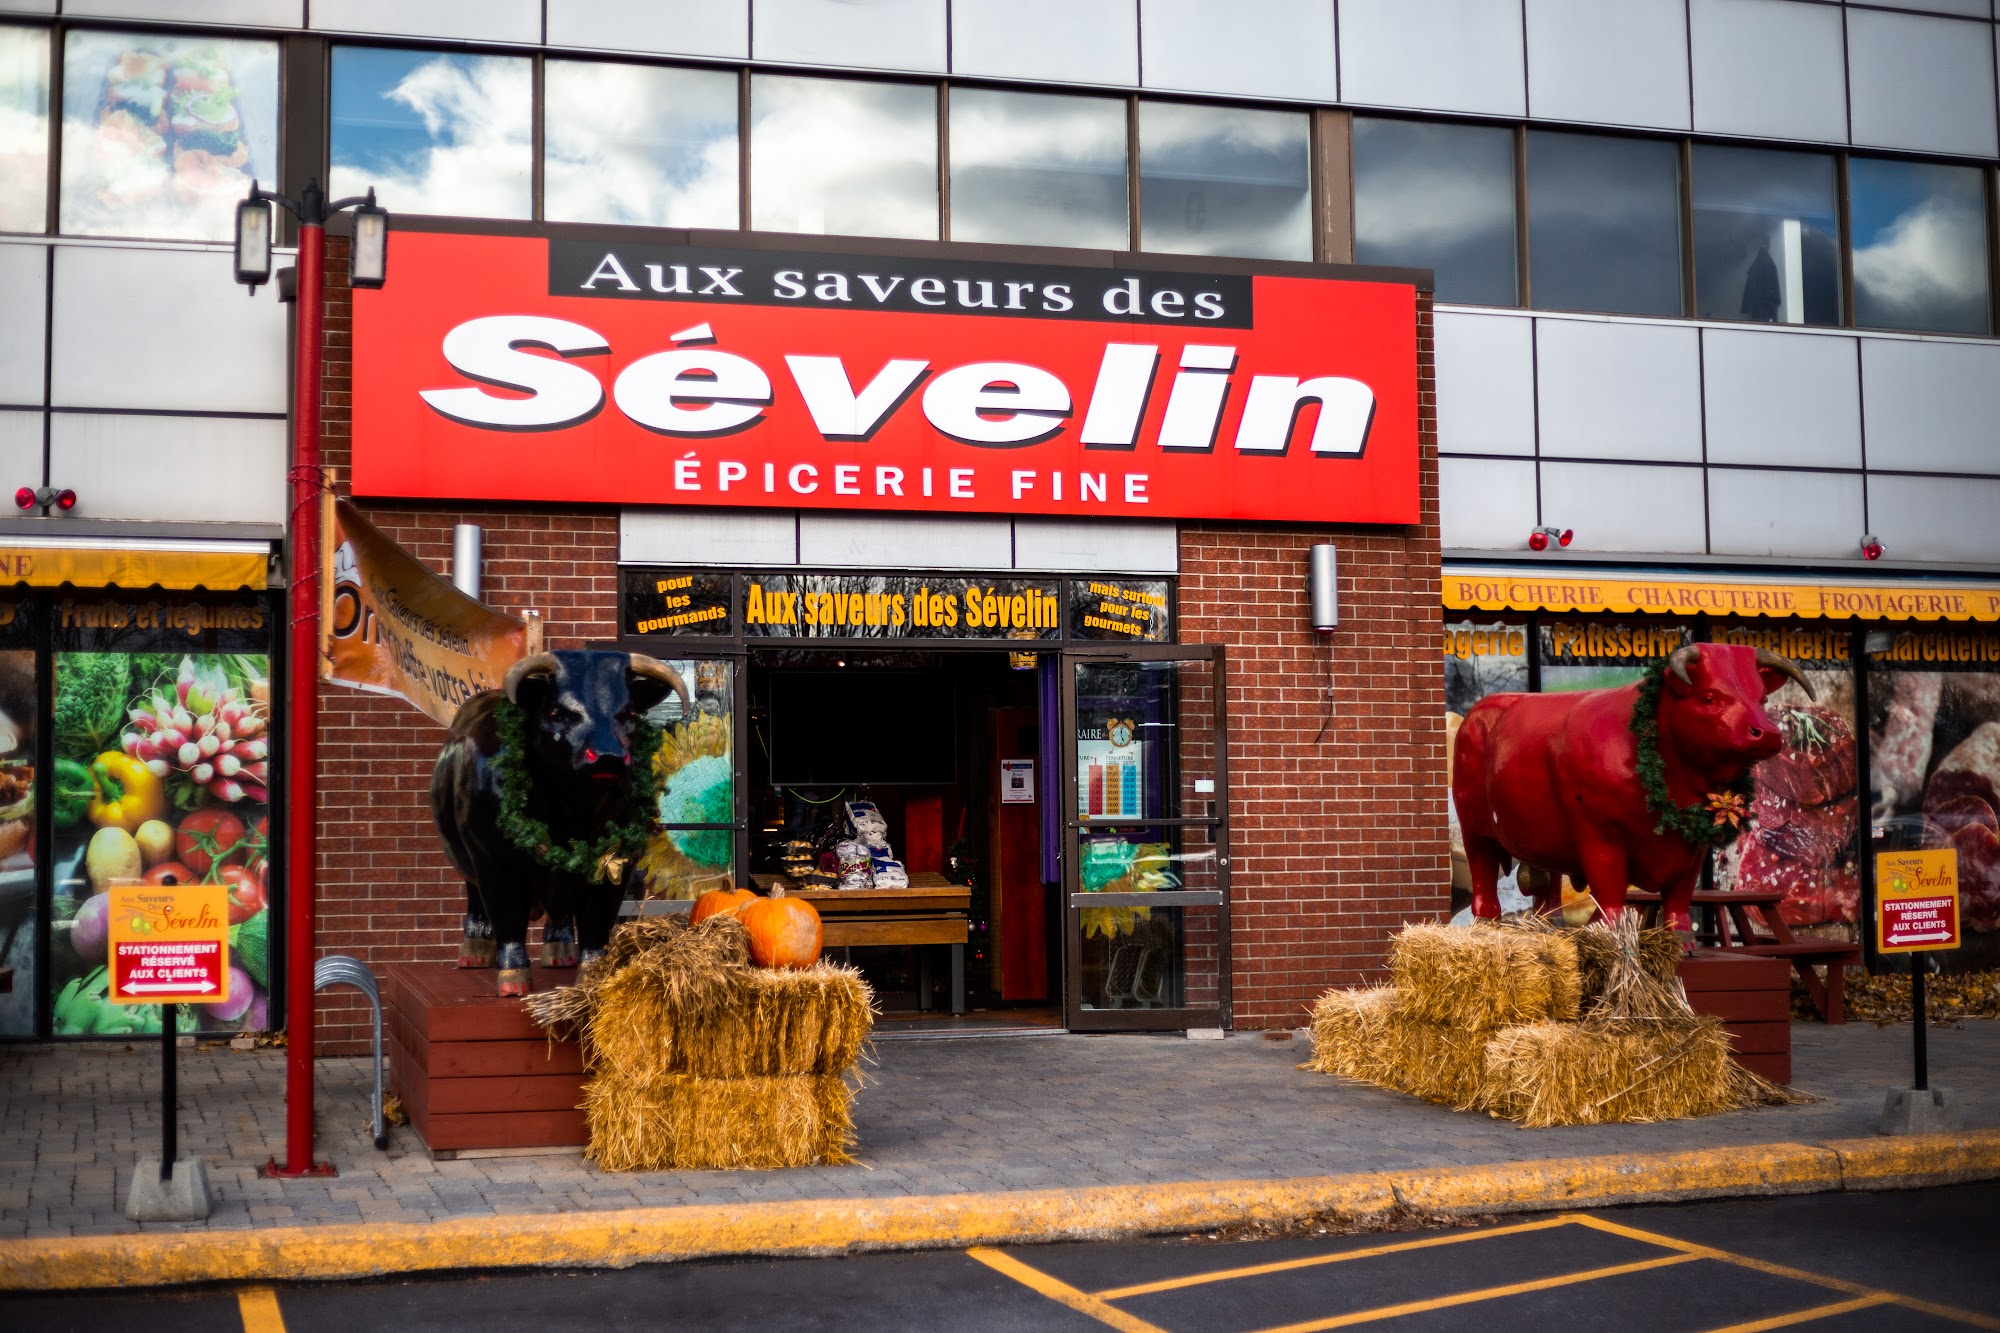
[(1325, 592), (1541, 538), (1872, 547), (45, 498)]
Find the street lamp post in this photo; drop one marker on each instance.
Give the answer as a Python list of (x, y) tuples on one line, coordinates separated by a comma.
[(369, 260)]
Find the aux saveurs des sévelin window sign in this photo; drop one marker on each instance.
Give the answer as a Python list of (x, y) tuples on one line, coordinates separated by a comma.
[(556, 370)]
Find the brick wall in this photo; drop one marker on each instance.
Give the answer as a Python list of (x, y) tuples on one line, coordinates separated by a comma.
[(1334, 841)]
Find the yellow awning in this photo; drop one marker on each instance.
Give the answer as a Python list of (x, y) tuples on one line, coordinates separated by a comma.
[(1523, 589), (218, 565)]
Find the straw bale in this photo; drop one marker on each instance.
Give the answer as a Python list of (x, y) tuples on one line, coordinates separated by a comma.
[(1486, 977), (683, 1122), (1611, 1070), (652, 1023), (1628, 971), (1347, 1032), (1439, 1062)]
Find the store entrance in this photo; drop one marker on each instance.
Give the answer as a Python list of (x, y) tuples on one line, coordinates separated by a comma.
[(908, 794)]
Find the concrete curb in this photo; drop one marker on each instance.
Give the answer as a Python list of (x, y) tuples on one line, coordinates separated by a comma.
[(619, 1239)]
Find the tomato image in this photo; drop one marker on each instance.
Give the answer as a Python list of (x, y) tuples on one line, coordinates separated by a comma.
[(208, 837)]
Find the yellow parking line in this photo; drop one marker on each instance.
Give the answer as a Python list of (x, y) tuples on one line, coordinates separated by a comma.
[(1696, 1251), (1081, 1301), (1807, 1316), (1287, 1265), (259, 1308), (1484, 1294)]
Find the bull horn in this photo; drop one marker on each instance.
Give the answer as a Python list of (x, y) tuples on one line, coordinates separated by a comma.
[(1785, 666), (541, 664), (643, 665), (1678, 663)]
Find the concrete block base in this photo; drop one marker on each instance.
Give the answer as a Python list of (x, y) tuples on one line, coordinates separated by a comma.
[(1913, 1111), (182, 1199)]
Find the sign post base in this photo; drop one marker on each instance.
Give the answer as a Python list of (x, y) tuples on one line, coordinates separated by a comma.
[(181, 1197), (1918, 1111)]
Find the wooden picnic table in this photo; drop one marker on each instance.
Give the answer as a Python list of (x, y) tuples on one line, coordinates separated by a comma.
[(1767, 935), (931, 911)]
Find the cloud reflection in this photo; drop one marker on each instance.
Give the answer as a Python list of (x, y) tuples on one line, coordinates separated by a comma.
[(640, 145), (472, 155), (1925, 270), (843, 156)]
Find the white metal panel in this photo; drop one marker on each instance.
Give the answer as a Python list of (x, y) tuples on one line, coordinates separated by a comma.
[(1275, 48), (1610, 64), (1486, 504), (20, 450), (1625, 508), (1813, 515), (1787, 398), (717, 28), (1970, 8), (138, 467), (1113, 546), (1486, 384), (1740, 89), (24, 296), (1931, 406), (27, 6), (461, 20), (708, 536), (1059, 41), (1433, 55), (905, 541), (1936, 518), (244, 13), (1921, 82), (164, 329), (1616, 390), (858, 34)]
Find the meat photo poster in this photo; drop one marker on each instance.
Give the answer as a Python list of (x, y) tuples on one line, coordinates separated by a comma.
[(1934, 765)]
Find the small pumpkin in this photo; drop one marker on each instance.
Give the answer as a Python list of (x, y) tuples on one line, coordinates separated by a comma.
[(718, 901), (784, 932)]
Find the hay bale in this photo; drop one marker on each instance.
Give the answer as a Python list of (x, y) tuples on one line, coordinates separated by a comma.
[(1439, 1062), (1627, 971), (1347, 1032), (1607, 1071), (682, 1122), (653, 1022), (1486, 977)]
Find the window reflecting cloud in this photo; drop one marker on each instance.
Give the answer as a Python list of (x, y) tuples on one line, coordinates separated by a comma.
[(1439, 197), (1224, 181), (639, 144), (1604, 223), (161, 136), (1919, 246), (433, 133), (843, 156), (1039, 169), (24, 129), (1766, 235)]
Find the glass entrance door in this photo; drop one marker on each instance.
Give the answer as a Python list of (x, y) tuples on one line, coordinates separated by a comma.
[(1145, 790)]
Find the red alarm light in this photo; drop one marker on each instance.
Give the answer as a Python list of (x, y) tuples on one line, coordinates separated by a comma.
[(1564, 537), (1872, 548), (24, 498), (1538, 540), (66, 501)]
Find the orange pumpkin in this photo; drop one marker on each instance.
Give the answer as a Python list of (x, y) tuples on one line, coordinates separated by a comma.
[(718, 901), (784, 932)]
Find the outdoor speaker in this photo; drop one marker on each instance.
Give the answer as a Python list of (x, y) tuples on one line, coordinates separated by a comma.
[(1325, 595)]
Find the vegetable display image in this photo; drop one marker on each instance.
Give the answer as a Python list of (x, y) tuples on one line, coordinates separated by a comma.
[(175, 792), (697, 776)]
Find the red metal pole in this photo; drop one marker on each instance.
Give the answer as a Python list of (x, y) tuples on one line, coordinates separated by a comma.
[(302, 737)]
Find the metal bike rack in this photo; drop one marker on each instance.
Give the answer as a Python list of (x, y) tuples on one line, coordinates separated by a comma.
[(342, 970)]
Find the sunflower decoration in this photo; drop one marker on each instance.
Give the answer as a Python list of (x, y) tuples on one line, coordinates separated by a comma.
[(696, 776)]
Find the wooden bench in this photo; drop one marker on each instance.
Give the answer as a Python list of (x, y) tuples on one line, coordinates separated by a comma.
[(1770, 939)]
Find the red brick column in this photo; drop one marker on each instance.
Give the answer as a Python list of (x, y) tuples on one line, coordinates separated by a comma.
[(1335, 841)]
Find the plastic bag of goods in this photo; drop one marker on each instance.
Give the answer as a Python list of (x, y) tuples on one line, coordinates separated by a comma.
[(855, 868), (891, 875), (868, 824)]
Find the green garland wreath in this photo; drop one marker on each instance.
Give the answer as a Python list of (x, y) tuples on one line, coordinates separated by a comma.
[(622, 840), (1714, 821)]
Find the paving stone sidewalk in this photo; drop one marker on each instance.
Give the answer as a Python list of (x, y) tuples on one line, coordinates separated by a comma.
[(937, 1117)]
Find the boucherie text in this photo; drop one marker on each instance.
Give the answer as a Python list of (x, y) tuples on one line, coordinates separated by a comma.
[(492, 368)]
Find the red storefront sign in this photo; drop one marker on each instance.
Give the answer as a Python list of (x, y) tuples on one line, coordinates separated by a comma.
[(555, 370)]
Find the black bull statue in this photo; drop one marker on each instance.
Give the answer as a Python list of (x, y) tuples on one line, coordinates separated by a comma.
[(580, 711)]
